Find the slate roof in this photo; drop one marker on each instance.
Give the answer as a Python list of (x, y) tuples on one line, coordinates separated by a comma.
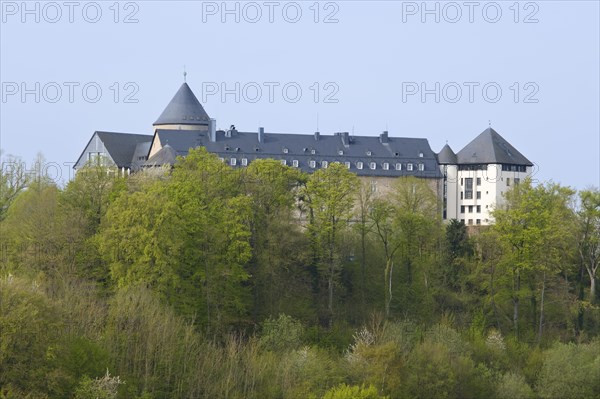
[(166, 155), (120, 146), (340, 147), (491, 148), (446, 156), (184, 109)]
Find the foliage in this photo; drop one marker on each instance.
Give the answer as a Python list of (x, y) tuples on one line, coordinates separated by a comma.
[(206, 281)]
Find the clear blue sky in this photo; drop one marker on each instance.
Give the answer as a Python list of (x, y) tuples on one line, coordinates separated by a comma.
[(368, 62)]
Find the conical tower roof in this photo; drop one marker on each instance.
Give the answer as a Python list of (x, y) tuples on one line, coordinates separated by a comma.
[(184, 109), (446, 156), (491, 148)]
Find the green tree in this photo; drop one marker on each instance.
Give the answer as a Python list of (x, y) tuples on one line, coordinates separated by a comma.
[(588, 235), (330, 195), (536, 228)]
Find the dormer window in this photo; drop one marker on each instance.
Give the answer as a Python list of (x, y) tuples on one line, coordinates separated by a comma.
[(283, 162), (359, 165), (340, 152), (369, 153), (398, 166), (312, 164), (233, 161), (420, 155), (285, 151), (421, 167), (386, 166), (347, 165), (373, 165), (409, 167), (244, 161), (324, 164), (295, 163), (313, 152), (226, 148)]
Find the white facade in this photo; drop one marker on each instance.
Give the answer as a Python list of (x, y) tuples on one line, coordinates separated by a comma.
[(472, 192)]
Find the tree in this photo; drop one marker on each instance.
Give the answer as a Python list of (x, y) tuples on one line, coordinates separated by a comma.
[(330, 195), (588, 235), (13, 179), (187, 238), (384, 217), (279, 279), (537, 229)]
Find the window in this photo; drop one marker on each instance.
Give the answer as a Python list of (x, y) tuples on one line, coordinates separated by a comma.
[(313, 152), (283, 162), (478, 221), (359, 165), (470, 222), (369, 153), (461, 181), (221, 159), (340, 152), (420, 155), (233, 161), (244, 161), (421, 167), (347, 164), (508, 181), (324, 164), (295, 163), (461, 195), (478, 208), (469, 188), (373, 165), (285, 151), (470, 208), (373, 186), (312, 164), (517, 180), (479, 181), (462, 209), (409, 167), (398, 166), (386, 166), (94, 156), (478, 194)]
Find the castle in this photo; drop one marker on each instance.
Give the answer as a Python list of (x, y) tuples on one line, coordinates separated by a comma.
[(470, 183)]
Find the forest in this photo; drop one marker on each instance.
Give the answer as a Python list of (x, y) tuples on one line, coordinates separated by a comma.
[(204, 281)]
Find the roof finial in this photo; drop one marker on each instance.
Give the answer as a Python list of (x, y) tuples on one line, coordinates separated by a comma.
[(490, 122), (184, 74)]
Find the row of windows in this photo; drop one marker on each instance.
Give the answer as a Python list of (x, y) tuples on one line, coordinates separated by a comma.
[(470, 208), (505, 167), (324, 164), (514, 168), (469, 194), (470, 221)]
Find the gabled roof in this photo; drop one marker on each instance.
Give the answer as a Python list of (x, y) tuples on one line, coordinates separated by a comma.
[(446, 156), (166, 155), (184, 109), (120, 146), (491, 148), (330, 148)]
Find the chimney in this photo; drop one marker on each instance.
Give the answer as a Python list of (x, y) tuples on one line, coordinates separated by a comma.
[(345, 136), (317, 135), (261, 134), (212, 130), (383, 137)]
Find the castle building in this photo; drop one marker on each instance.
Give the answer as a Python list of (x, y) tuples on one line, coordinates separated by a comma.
[(469, 184)]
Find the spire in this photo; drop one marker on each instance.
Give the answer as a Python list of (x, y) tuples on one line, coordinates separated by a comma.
[(184, 109)]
